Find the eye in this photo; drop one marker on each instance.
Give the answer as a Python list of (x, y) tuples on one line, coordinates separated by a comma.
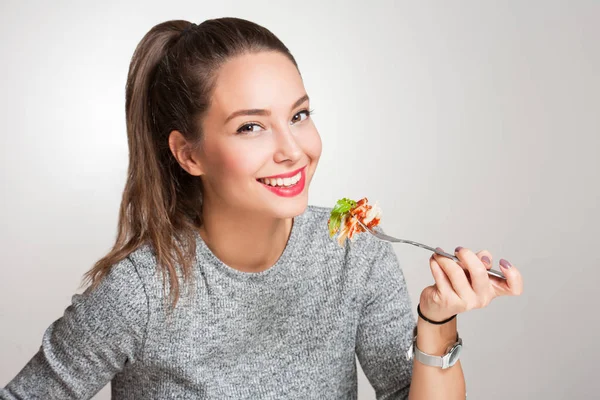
[(247, 128), (305, 112)]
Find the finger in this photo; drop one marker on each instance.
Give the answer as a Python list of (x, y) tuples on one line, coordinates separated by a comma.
[(500, 286), (457, 277), (465, 271), (486, 258), (480, 282), (514, 280), (441, 280)]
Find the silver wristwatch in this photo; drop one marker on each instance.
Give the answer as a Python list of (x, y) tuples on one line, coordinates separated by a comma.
[(446, 361)]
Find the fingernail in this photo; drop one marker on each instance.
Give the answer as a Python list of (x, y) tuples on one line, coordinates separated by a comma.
[(458, 249), (439, 249), (486, 260), (505, 263)]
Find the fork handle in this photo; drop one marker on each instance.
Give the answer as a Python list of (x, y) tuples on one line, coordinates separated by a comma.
[(383, 236), (490, 271)]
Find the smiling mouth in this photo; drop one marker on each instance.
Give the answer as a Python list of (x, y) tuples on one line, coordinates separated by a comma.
[(282, 182)]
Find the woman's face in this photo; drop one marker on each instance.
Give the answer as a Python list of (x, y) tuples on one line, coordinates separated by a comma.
[(260, 147)]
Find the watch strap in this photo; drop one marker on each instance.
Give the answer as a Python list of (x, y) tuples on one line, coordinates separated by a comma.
[(428, 359)]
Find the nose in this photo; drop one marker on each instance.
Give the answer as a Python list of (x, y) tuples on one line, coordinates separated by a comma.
[(287, 147)]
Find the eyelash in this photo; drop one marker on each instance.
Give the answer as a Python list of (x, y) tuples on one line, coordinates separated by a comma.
[(240, 131)]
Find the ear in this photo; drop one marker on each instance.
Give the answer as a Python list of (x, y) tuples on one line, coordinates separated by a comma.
[(184, 154)]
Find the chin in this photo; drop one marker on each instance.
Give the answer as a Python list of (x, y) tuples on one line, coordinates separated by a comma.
[(289, 208)]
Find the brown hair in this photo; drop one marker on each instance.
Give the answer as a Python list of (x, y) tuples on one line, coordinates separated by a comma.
[(169, 85)]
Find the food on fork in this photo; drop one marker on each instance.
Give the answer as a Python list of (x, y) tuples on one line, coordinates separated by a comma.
[(346, 214)]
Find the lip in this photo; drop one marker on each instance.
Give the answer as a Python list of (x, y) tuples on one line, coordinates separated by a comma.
[(286, 175), (288, 191)]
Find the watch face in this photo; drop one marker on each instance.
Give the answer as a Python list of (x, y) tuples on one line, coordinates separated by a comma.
[(454, 355)]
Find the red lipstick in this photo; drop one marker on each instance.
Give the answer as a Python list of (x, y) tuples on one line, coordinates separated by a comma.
[(287, 191), (286, 175)]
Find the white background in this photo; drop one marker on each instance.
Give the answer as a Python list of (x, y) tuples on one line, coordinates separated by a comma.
[(472, 123)]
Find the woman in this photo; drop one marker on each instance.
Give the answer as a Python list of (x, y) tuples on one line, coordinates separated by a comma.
[(223, 282)]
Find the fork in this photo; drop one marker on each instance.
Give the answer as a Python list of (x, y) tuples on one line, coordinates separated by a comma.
[(388, 238)]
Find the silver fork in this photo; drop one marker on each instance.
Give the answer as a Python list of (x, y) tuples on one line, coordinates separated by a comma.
[(388, 238)]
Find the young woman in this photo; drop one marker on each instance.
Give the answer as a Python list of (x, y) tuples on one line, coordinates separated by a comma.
[(223, 282)]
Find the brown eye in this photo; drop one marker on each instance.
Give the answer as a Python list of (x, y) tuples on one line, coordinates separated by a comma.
[(247, 128), (296, 118)]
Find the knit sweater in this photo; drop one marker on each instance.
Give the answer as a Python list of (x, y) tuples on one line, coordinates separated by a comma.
[(289, 332)]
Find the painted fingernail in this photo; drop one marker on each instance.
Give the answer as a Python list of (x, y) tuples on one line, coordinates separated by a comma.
[(439, 249), (458, 249), (486, 260), (505, 263)]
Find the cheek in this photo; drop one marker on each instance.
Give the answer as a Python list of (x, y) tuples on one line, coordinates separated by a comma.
[(237, 160), (311, 144)]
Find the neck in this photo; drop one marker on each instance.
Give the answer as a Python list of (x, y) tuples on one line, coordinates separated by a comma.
[(244, 241)]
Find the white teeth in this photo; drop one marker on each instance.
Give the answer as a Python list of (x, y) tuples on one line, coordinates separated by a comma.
[(282, 181)]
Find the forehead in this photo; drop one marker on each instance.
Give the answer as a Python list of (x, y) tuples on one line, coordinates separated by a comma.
[(259, 80)]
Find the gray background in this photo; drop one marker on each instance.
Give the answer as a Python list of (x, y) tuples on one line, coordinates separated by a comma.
[(477, 124)]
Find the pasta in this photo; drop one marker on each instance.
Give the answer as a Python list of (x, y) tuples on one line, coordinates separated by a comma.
[(346, 214)]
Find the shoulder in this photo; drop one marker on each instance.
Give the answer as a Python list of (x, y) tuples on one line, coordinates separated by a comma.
[(316, 214), (122, 289), (313, 232), (116, 305), (363, 249), (133, 273), (372, 265)]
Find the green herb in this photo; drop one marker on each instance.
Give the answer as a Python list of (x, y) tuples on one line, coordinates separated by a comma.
[(335, 219)]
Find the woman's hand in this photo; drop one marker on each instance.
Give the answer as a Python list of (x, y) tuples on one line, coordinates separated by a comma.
[(465, 285)]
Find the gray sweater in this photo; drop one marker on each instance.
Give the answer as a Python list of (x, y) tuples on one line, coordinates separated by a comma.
[(290, 332)]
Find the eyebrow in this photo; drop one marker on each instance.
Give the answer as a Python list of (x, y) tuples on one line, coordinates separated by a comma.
[(259, 111)]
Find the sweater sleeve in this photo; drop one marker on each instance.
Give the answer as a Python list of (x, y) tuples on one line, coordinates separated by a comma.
[(385, 329), (99, 333)]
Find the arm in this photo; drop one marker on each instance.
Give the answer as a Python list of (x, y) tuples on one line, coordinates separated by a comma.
[(99, 333), (383, 329), (433, 382), (454, 292), (386, 332)]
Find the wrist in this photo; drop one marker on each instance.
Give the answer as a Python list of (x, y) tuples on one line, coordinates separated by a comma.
[(435, 339), (432, 309), (431, 321)]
